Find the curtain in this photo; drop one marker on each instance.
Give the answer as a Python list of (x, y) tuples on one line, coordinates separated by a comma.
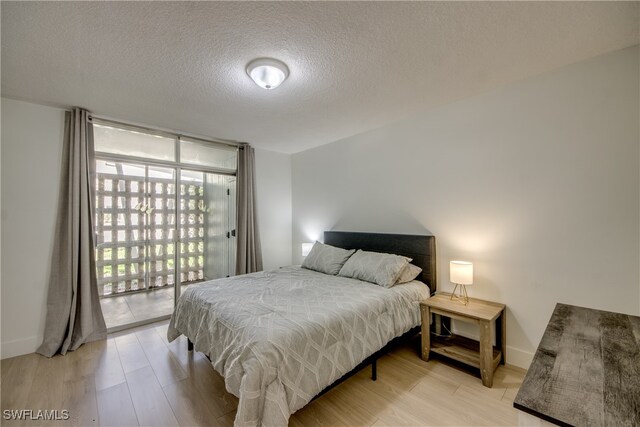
[(248, 250), (74, 315)]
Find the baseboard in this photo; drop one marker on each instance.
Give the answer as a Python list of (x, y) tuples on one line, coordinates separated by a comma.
[(19, 347), (520, 358), (30, 345)]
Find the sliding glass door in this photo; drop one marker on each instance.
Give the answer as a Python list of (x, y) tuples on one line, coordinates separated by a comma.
[(207, 226), (121, 227), (136, 245), (161, 224)]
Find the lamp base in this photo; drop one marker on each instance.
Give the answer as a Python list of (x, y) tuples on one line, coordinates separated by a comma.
[(462, 297)]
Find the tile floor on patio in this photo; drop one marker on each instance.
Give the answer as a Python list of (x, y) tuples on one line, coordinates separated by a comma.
[(130, 308)]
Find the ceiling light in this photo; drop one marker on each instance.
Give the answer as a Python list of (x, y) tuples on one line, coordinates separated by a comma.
[(268, 73)]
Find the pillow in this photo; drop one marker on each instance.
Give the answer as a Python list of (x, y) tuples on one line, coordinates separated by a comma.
[(326, 259), (409, 273), (381, 269)]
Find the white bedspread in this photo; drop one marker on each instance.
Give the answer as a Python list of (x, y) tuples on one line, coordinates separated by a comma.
[(280, 337)]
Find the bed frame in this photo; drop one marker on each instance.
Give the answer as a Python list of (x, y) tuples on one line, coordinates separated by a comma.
[(420, 248)]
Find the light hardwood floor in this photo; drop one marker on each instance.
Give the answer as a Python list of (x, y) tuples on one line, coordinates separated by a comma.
[(136, 377)]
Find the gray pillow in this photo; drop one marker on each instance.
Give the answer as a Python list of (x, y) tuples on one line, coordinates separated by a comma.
[(326, 259), (381, 269), (409, 273)]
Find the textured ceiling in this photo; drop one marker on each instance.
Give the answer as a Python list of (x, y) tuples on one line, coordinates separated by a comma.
[(354, 66)]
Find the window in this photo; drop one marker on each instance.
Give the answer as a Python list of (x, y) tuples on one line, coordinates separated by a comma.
[(128, 142), (204, 154), (160, 222)]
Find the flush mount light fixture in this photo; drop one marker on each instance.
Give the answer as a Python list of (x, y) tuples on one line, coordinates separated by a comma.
[(268, 73)]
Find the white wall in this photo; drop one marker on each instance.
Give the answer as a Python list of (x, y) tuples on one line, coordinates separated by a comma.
[(31, 157), (537, 183), (273, 186)]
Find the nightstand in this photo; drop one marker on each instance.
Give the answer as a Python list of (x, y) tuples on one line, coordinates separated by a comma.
[(482, 355)]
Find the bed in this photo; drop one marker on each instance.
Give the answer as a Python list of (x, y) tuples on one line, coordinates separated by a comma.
[(281, 337)]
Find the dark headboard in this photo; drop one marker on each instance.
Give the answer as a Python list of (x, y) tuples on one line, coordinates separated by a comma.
[(422, 249)]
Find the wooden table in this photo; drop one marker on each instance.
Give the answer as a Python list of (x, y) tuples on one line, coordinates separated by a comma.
[(586, 370), (482, 355)]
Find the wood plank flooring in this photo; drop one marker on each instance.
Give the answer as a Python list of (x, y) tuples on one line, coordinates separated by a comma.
[(136, 377)]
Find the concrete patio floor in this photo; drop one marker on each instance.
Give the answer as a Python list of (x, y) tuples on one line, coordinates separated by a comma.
[(126, 309)]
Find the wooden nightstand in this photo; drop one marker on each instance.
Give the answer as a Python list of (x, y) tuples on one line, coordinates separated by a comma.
[(482, 355)]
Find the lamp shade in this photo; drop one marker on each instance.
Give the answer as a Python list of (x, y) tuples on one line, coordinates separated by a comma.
[(306, 248), (461, 272)]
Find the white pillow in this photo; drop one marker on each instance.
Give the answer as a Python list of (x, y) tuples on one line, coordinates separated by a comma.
[(374, 267), (409, 273), (326, 259)]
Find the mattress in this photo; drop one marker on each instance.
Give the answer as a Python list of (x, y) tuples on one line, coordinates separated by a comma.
[(280, 337)]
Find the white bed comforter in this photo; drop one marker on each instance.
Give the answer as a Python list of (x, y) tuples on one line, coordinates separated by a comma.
[(280, 337)]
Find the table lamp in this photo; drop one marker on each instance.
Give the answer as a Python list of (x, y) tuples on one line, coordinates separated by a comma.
[(306, 248), (461, 274)]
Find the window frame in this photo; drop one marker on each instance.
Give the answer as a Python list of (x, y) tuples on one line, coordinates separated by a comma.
[(177, 138), (178, 167)]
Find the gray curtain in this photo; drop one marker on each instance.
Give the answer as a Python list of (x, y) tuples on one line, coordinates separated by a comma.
[(74, 315), (248, 250)]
